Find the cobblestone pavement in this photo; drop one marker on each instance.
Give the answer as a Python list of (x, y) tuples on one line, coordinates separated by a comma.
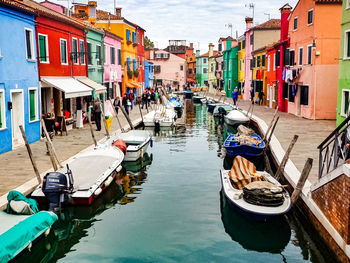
[(311, 134), (16, 168)]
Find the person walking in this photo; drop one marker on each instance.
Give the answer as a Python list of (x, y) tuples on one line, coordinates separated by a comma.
[(125, 103), (235, 96), (261, 97), (116, 104), (144, 100), (97, 113)]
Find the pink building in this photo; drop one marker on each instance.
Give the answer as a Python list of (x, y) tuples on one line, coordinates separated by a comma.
[(56, 7), (168, 69), (248, 57), (112, 65)]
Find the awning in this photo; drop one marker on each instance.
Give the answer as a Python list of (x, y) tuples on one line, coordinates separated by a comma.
[(190, 80), (92, 84), (132, 85), (71, 87)]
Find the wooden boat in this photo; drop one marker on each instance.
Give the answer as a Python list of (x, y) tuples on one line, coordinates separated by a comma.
[(197, 99), (17, 232), (89, 174), (217, 112), (236, 117), (188, 94), (161, 117), (211, 106), (137, 142), (249, 145), (235, 186)]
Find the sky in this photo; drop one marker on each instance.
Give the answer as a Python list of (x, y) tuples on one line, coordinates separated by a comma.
[(198, 21)]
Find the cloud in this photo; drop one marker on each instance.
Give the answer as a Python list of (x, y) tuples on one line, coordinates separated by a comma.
[(197, 21)]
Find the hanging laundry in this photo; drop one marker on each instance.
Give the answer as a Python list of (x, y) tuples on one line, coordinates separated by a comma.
[(293, 90), (284, 74), (294, 73), (289, 75)]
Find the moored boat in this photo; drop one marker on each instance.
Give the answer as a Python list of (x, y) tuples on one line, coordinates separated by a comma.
[(236, 117), (256, 195), (244, 145), (211, 107), (188, 94), (197, 99), (222, 110), (162, 117)]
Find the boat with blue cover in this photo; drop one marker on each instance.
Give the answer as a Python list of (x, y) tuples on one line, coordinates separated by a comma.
[(188, 94), (249, 145)]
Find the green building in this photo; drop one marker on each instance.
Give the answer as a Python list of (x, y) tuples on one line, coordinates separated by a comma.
[(202, 69), (230, 68), (344, 66)]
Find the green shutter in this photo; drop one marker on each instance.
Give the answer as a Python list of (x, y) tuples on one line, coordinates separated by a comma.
[(42, 48), (31, 105), (348, 42)]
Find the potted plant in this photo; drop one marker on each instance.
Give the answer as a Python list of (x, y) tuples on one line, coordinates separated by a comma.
[(136, 73), (129, 73)]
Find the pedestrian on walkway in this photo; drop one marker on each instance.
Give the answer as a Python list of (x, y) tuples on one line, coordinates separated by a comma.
[(131, 99), (235, 96), (97, 113), (252, 95), (116, 104), (261, 97), (144, 99), (126, 103)]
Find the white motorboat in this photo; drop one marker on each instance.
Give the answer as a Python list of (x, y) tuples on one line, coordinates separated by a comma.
[(162, 117), (137, 142), (84, 179), (236, 117), (255, 212)]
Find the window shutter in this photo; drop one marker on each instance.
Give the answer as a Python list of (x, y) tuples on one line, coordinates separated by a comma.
[(348, 47), (42, 48), (119, 56), (29, 44), (32, 105)]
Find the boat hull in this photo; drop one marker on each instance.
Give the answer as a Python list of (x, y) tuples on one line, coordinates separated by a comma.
[(197, 99), (132, 156), (188, 95), (233, 148), (235, 123), (211, 107)]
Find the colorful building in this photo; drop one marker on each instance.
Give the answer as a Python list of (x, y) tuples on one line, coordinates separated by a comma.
[(222, 44), (112, 65), (344, 66), (259, 72), (271, 77), (212, 67), (191, 68), (148, 74), (230, 67), (19, 83), (314, 32), (202, 69), (178, 48), (248, 56), (140, 35), (241, 62)]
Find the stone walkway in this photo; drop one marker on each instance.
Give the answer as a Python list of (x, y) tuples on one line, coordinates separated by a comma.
[(16, 168), (311, 134)]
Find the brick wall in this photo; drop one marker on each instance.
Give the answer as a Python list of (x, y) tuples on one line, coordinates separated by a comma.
[(333, 199)]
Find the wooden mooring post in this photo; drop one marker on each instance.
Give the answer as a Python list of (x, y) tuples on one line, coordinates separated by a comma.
[(31, 157), (141, 113), (285, 158), (270, 125), (50, 147), (127, 118), (92, 131), (303, 177), (267, 143)]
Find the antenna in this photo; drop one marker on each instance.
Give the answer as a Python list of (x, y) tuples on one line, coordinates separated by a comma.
[(236, 34), (229, 26), (268, 15), (251, 6)]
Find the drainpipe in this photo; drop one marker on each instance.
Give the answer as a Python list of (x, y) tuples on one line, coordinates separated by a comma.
[(69, 57), (85, 53), (315, 83)]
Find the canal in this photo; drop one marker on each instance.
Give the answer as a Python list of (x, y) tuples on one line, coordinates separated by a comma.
[(172, 211)]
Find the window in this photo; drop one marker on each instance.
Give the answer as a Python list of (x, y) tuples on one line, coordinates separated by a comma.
[(142, 39), (205, 70), (240, 65), (63, 45), (29, 44), (243, 45), (347, 4), (290, 93), (43, 49), (295, 26), (89, 53), (286, 57), (128, 35), (304, 95), (278, 58), (268, 62), (285, 91), (128, 63), (239, 46), (2, 110), (105, 54), (309, 54), (134, 64), (82, 53), (263, 60), (75, 50), (258, 60), (347, 44), (156, 68), (252, 39), (133, 37), (137, 38), (344, 103), (220, 47), (274, 61), (252, 63), (98, 55), (33, 104), (112, 55), (204, 60), (229, 65), (310, 16), (301, 56), (229, 84), (190, 71), (181, 67), (291, 57), (119, 56)]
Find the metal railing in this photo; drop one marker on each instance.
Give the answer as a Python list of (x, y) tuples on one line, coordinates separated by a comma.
[(334, 149)]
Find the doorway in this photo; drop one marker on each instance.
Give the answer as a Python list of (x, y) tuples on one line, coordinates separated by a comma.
[(17, 117)]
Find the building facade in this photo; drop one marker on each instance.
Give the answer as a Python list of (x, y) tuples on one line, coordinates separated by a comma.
[(191, 68), (19, 83), (271, 77), (148, 74), (230, 67), (202, 69), (140, 35), (259, 72), (212, 67), (314, 32), (241, 62)]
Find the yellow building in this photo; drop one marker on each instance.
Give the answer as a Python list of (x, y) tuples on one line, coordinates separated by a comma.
[(119, 26), (259, 72), (241, 63)]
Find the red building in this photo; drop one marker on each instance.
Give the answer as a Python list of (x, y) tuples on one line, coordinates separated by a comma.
[(271, 77), (140, 54), (61, 59)]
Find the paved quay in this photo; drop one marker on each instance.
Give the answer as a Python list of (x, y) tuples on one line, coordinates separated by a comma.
[(311, 134), (16, 168)]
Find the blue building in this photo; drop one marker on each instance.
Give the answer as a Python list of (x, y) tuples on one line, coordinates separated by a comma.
[(148, 74), (19, 80)]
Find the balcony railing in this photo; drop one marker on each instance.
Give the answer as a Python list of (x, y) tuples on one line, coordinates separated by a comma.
[(334, 150)]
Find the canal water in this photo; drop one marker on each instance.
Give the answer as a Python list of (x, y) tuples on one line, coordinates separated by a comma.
[(172, 211)]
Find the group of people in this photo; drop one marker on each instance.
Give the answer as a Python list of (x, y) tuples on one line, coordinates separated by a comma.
[(252, 95), (151, 96)]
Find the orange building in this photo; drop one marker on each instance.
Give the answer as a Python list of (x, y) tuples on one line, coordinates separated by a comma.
[(190, 65)]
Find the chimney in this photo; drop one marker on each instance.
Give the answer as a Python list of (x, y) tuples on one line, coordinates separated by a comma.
[(118, 12), (92, 11), (285, 12), (211, 47), (197, 53), (249, 23), (191, 45)]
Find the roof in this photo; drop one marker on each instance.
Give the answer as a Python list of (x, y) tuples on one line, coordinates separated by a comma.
[(328, 1), (47, 12), (204, 55), (112, 34), (269, 25), (18, 5), (104, 15), (258, 50), (215, 53), (226, 38)]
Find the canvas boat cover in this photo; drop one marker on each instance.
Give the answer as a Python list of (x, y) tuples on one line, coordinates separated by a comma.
[(243, 172), (17, 232)]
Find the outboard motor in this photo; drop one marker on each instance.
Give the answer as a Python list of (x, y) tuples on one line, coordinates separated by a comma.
[(222, 112), (56, 188)]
